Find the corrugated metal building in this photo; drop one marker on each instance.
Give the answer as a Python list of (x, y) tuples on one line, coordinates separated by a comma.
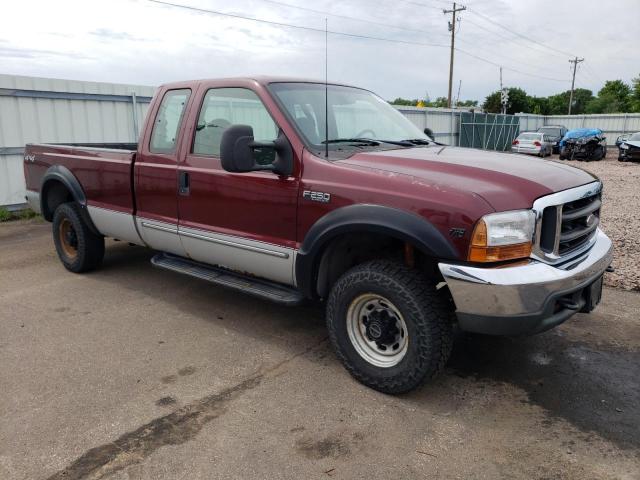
[(45, 110), (39, 110)]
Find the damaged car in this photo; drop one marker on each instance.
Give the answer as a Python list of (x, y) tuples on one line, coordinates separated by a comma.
[(629, 149), (583, 144)]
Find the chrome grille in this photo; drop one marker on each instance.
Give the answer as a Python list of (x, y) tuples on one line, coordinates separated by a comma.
[(566, 222)]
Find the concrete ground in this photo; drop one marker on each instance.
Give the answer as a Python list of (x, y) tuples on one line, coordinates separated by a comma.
[(136, 373)]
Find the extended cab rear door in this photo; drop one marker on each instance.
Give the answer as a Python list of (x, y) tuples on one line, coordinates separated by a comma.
[(241, 221), (156, 170)]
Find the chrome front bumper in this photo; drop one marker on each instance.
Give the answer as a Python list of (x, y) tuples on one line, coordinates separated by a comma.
[(523, 299)]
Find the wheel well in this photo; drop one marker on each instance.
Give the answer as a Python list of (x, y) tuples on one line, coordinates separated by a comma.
[(54, 193), (351, 249)]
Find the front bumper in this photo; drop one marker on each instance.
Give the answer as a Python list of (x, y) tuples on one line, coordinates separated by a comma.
[(524, 299)]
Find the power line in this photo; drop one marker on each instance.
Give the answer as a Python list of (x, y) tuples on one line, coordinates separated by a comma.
[(487, 19), (290, 25), (345, 34), (509, 68), (346, 17), (513, 39)]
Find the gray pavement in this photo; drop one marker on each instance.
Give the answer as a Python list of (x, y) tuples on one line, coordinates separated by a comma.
[(136, 373)]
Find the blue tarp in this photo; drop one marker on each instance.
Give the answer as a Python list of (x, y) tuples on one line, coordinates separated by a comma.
[(581, 132)]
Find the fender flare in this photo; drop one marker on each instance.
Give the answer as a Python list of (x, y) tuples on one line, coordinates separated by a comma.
[(394, 222), (60, 173)]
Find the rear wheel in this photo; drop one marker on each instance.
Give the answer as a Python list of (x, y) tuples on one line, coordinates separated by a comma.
[(389, 326), (79, 249)]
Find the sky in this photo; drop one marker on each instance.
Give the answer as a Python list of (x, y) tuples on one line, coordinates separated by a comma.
[(147, 43)]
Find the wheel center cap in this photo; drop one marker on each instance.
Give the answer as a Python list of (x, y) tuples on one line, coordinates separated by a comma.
[(381, 328), (375, 330)]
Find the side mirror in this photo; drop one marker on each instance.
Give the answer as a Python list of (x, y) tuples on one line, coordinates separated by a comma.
[(429, 133), (237, 152)]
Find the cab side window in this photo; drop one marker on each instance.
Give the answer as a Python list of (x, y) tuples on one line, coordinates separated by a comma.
[(168, 120), (223, 107)]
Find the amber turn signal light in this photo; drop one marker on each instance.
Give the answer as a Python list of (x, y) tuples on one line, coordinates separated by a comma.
[(479, 251)]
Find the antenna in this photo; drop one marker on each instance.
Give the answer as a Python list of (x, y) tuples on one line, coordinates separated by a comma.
[(326, 89)]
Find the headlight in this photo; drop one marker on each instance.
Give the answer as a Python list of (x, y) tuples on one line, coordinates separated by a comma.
[(502, 236), (624, 146)]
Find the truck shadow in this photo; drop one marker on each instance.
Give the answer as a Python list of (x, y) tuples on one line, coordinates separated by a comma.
[(596, 390)]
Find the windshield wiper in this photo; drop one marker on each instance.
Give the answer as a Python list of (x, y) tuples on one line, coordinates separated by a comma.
[(363, 141), (418, 141), (372, 142)]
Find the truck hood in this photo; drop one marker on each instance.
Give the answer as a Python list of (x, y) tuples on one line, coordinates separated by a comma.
[(504, 180)]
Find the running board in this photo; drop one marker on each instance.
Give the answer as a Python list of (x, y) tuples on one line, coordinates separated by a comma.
[(244, 283)]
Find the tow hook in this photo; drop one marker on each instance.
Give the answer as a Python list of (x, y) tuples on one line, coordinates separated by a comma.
[(610, 269), (569, 304)]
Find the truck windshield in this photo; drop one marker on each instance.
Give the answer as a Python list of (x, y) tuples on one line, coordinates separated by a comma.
[(357, 118)]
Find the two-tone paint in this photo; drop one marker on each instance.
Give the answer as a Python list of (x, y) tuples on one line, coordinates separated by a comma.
[(264, 224)]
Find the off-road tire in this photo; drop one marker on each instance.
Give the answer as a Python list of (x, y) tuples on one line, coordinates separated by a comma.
[(428, 316), (89, 247)]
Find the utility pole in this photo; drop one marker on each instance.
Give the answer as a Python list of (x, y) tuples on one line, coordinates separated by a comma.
[(452, 29), (575, 62), (504, 95)]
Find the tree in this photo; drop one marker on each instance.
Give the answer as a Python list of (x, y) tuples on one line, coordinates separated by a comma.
[(539, 105), (438, 102), (635, 94), (468, 103), (559, 103), (518, 102), (404, 101), (614, 97)]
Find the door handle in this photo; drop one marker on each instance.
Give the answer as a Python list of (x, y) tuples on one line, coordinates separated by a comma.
[(183, 183)]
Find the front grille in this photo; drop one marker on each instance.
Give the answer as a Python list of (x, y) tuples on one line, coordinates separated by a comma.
[(580, 219), (567, 221)]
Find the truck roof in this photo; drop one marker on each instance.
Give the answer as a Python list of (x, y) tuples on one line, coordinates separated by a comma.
[(263, 80)]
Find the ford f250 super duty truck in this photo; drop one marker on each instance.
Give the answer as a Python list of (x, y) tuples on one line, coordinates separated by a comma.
[(291, 190)]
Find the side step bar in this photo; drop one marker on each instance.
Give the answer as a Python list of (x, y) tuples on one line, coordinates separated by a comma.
[(253, 286)]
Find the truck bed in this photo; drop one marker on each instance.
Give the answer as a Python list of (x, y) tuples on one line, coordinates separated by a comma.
[(104, 170)]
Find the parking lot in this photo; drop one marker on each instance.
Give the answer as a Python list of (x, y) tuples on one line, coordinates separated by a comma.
[(134, 373)]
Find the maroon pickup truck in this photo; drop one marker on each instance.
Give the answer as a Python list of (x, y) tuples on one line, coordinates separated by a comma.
[(292, 190)]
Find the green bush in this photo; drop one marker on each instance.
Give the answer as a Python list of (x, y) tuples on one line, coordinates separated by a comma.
[(5, 215), (26, 214)]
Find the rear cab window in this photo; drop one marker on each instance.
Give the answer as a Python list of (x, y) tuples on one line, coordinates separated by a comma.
[(166, 126)]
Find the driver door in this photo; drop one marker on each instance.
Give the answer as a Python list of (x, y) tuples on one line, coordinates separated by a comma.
[(241, 221)]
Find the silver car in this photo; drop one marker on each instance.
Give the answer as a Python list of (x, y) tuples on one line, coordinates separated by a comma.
[(534, 143)]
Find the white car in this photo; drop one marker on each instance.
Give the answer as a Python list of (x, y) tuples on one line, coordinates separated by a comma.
[(535, 143)]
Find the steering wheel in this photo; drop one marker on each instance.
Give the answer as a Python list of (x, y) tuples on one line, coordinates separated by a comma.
[(366, 130)]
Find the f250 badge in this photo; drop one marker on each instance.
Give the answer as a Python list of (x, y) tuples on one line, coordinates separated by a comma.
[(321, 197)]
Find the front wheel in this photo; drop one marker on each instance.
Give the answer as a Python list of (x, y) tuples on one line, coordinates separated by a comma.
[(79, 249), (389, 327)]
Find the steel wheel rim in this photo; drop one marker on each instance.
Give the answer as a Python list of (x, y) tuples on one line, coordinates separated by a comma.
[(377, 330), (68, 239)]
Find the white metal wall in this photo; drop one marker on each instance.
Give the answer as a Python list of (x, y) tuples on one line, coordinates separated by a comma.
[(36, 110), (612, 125), (81, 112), (443, 122)]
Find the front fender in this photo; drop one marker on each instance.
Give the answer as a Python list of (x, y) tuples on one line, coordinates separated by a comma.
[(396, 223)]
